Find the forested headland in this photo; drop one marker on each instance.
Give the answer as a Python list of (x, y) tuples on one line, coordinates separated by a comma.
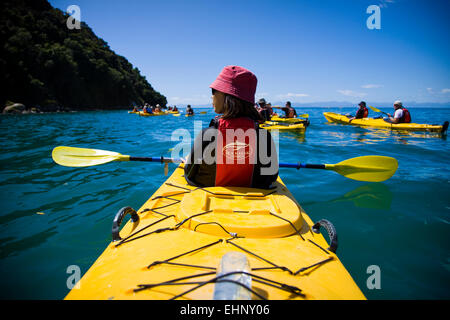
[(46, 65)]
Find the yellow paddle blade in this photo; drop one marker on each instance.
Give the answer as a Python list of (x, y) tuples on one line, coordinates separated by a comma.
[(305, 115), (366, 168), (374, 109), (82, 157), (176, 114), (203, 112)]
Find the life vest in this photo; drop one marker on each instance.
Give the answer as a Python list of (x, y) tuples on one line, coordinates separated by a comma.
[(366, 112), (406, 117), (362, 113), (290, 113), (265, 114), (235, 153)]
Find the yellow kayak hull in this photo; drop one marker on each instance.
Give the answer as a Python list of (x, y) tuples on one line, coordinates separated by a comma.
[(272, 125), (380, 123), (288, 120), (145, 114), (272, 230)]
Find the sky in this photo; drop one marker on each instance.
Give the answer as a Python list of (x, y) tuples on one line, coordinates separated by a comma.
[(302, 51)]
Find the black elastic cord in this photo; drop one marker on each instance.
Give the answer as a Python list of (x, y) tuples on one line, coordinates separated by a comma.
[(296, 231), (254, 254), (182, 254), (151, 224), (313, 265), (232, 234), (318, 246)]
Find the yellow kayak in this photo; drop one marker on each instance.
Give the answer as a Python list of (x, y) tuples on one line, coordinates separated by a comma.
[(145, 114), (272, 125), (136, 112), (185, 242), (173, 112), (289, 120), (380, 123)]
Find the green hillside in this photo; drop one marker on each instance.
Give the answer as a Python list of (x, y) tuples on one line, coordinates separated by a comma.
[(45, 64)]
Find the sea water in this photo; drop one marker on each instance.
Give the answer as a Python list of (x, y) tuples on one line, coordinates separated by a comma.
[(56, 220)]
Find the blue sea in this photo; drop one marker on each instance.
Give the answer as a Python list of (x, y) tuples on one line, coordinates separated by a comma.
[(54, 217)]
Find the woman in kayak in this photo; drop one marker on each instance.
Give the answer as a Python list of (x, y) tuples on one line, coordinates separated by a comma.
[(289, 112), (189, 110), (147, 109), (233, 151), (401, 114), (362, 112), (263, 110)]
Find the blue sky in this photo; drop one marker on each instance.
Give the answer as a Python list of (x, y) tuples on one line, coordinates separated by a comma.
[(302, 51)]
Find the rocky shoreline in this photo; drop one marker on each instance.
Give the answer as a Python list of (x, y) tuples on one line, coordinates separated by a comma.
[(19, 108)]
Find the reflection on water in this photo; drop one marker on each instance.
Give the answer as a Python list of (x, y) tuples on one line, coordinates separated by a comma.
[(374, 195), (294, 135), (377, 135)]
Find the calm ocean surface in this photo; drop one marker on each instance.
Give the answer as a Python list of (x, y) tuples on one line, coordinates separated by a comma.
[(401, 225)]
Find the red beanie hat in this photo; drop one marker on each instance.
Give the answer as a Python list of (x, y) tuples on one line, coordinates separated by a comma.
[(236, 81)]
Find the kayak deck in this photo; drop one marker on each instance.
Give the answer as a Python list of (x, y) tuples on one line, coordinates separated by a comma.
[(173, 249), (380, 123)]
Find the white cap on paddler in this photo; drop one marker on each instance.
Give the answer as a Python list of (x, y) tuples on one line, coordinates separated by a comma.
[(398, 103)]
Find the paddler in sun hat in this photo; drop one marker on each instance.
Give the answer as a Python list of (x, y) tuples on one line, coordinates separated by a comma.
[(401, 114), (189, 110), (263, 110), (289, 112), (233, 151), (362, 112)]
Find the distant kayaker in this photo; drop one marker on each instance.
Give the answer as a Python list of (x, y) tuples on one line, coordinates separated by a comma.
[(157, 108), (147, 109), (269, 107), (189, 110), (263, 110), (233, 151), (175, 108), (289, 112), (401, 114), (362, 112), (135, 109)]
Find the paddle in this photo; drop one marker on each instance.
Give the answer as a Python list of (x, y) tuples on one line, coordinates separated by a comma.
[(378, 110), (366, 168)]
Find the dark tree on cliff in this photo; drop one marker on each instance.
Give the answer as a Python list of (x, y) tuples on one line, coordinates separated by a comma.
[(44, 63)]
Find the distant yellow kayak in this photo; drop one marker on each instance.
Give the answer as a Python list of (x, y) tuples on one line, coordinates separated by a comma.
[(145, 114), (380, 123), (290, 120), (272, 125), (184, 240)]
